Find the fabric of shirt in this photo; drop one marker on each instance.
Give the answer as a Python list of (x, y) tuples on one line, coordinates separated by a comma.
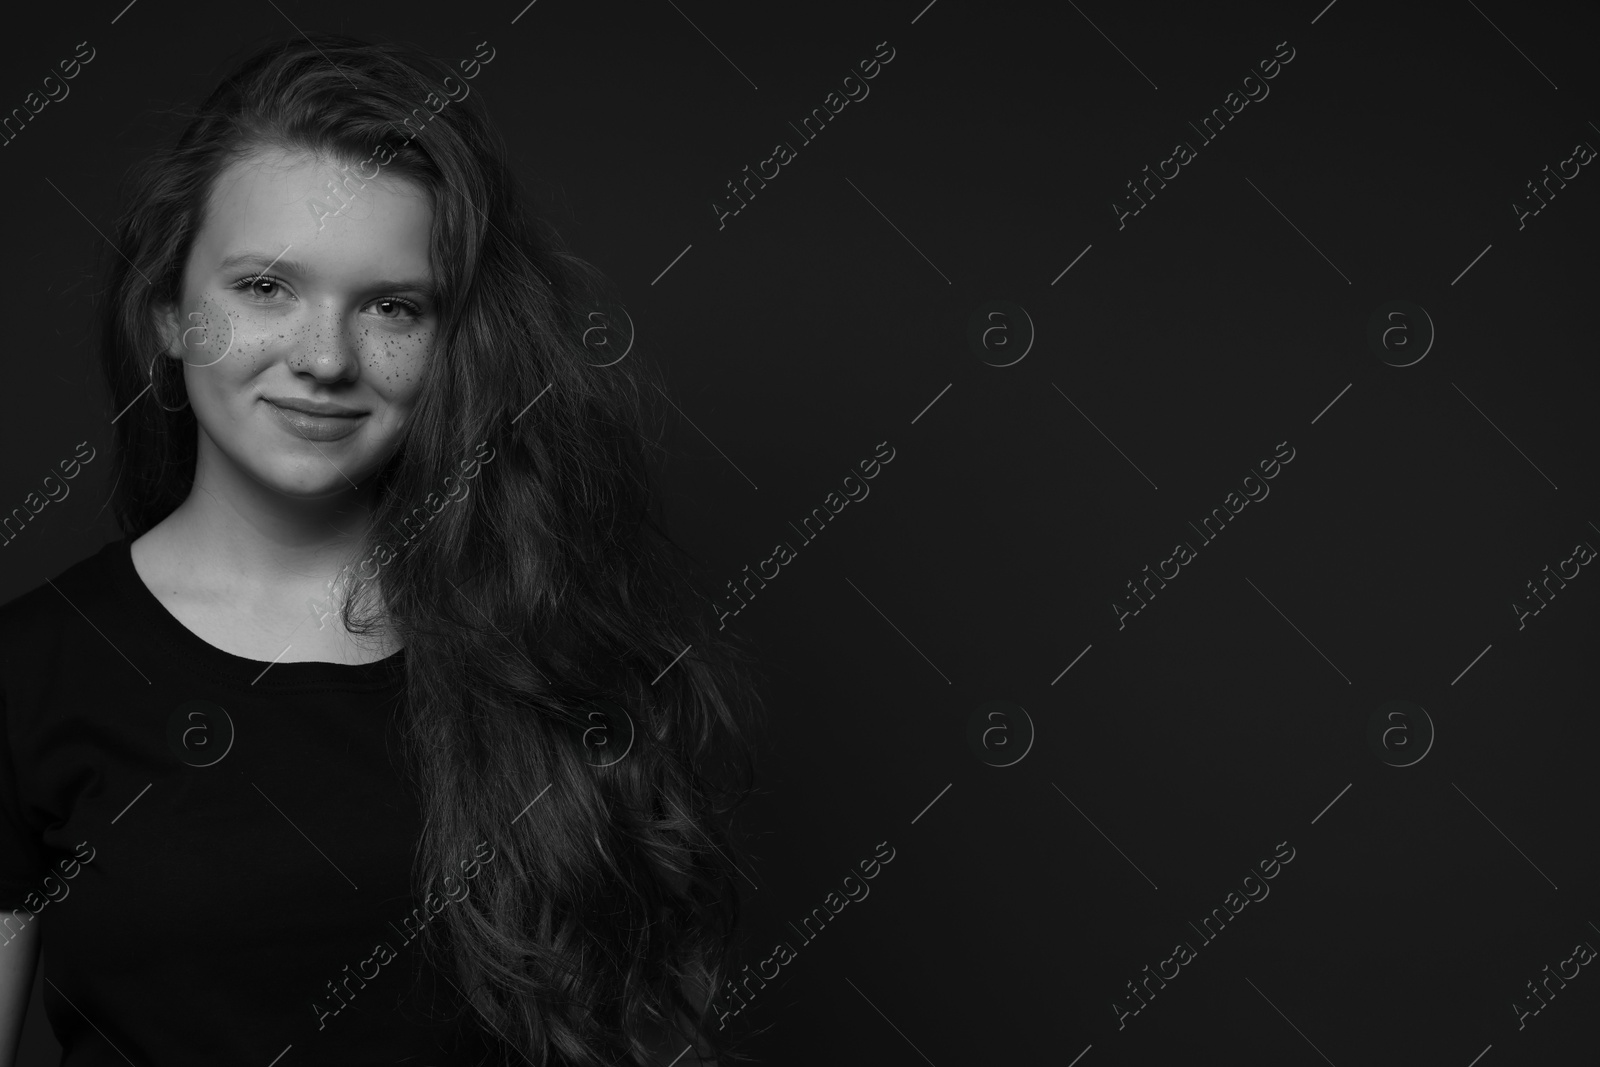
[(217, 849)]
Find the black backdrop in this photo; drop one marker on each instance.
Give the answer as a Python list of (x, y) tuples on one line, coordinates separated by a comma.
[(957, 218)]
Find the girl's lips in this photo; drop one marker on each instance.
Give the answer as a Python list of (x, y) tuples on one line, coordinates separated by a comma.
[(317, 427)]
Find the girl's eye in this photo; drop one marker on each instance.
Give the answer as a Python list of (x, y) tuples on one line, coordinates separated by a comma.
[(264, 287), (390, 307), (259, 286)]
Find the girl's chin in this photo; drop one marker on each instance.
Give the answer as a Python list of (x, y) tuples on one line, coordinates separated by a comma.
[(303, 485), (292, 472)]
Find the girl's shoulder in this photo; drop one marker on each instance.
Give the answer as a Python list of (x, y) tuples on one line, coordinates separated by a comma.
[(52, 625)]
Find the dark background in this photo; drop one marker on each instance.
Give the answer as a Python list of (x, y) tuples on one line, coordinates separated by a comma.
[(834, 310)]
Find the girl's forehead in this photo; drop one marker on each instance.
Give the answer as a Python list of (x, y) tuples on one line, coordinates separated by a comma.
[(317, 212)]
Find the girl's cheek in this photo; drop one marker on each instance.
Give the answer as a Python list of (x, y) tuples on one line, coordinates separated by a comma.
[(256, 333), (209, 334), (397, 358), (228, 337)]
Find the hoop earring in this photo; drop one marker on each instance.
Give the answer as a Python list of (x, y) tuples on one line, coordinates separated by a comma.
[(156, 392)]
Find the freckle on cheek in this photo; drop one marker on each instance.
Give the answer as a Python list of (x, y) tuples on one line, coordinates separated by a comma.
[(207, 333)]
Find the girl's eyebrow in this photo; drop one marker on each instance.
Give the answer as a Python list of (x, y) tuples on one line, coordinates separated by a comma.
[(249, 258)]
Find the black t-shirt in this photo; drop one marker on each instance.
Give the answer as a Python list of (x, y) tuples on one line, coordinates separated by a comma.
[(218, 849)]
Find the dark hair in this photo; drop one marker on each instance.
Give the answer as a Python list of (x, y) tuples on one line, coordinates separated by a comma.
[(607, 917)]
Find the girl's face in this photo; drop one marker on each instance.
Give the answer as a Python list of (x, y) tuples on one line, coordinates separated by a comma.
[(285, 307)]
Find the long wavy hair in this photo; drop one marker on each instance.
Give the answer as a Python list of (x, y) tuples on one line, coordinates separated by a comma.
[(546, 605)]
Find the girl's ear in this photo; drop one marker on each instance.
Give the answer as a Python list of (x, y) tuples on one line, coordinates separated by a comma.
[(167, 327)]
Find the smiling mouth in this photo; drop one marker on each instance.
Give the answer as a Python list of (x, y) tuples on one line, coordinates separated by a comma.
[(318, 427)]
